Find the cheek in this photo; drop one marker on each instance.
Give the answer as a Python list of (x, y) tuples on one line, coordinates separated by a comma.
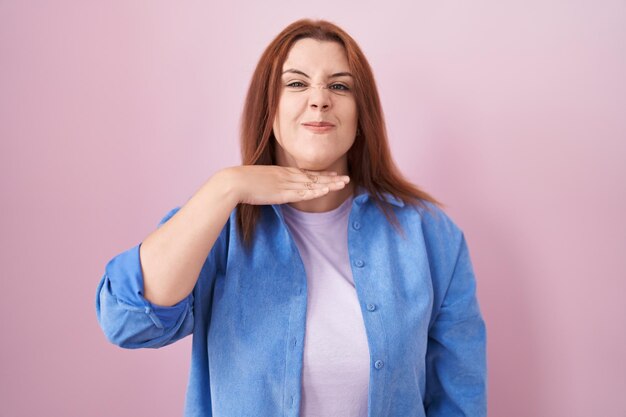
[(290, 107), (348, 112), (285, 124), (276, 128), (354, 112)]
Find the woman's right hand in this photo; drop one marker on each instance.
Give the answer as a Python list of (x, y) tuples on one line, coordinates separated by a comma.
[(273, 184)]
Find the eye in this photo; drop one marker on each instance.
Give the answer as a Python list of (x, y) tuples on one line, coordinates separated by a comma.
[(295, 84), (341, 87)]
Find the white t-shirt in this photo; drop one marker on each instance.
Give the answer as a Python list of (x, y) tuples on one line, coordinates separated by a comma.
[(336, 363)]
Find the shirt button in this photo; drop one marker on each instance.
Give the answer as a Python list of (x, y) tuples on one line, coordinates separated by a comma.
[(359, 263), (371, 307), (356, 225), (379, 364)]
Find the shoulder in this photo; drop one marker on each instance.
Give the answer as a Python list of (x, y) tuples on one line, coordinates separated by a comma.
[(425, 218), (431, 219), (168, 216), (441, 236), (436, 220)]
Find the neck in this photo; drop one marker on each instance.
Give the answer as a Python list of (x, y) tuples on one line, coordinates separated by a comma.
[(330, 201)]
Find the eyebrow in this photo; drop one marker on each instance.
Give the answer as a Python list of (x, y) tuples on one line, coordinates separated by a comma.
[(335, 75)]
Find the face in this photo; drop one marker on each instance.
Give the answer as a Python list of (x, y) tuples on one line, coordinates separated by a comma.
[(316, 121)]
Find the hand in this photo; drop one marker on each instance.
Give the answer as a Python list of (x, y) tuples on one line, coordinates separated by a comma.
[(273, 184)]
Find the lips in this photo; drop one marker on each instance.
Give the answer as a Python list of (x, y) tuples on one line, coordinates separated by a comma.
[(318, 124), (318, 127)]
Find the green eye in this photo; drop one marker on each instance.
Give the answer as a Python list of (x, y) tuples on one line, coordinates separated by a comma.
[(342, 87), (293, 84)]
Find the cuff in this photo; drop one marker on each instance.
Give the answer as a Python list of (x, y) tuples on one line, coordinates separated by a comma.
[(126, 282)]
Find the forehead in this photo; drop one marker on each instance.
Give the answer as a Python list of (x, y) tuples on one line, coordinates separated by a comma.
[(312, 54)]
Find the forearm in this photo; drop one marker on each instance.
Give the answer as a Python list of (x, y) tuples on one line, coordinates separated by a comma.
[(173, 255)]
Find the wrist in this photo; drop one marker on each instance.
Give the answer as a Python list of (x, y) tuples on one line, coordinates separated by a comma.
[(226, 180)]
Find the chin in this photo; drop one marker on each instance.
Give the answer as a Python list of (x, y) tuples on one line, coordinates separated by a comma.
[(314, 160), (313, 166), (321, 165)]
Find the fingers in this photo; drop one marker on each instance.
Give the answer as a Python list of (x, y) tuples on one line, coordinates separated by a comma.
[(316, 177), (261, 185), (308, 185)]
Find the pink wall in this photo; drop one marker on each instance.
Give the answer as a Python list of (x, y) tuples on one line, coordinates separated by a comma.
[(111, 113)]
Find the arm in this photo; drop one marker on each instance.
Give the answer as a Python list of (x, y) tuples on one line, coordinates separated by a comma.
[(127, 318), (172, 256), (145, 297), (456, 378), (192, 232)]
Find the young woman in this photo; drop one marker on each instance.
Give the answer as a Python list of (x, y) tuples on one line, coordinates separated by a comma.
[(315, 279)]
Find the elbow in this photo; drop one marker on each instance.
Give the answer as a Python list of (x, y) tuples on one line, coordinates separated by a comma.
[(122, 329), (123, 325)]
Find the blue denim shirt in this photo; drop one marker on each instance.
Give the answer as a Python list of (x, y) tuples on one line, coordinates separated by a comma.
[(247, 313)]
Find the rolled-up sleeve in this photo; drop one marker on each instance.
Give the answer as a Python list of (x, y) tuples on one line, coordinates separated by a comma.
[(456, 355), (126, 317)]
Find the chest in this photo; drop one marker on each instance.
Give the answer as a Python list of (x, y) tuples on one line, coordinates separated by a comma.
[(261, 299)]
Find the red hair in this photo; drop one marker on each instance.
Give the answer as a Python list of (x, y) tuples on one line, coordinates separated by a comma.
[(369, 160)]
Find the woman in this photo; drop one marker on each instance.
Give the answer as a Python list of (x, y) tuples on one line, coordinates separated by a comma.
[(316, 280)]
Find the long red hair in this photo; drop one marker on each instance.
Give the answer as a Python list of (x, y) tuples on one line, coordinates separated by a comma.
[(369, 160)]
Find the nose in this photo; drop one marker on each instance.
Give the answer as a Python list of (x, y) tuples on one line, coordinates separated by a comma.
[(320, 97)]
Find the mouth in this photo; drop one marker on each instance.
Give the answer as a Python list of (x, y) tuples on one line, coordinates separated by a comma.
[(319, 127), (320, 123)]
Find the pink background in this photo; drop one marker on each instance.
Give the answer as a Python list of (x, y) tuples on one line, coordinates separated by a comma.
[(514, 115)]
